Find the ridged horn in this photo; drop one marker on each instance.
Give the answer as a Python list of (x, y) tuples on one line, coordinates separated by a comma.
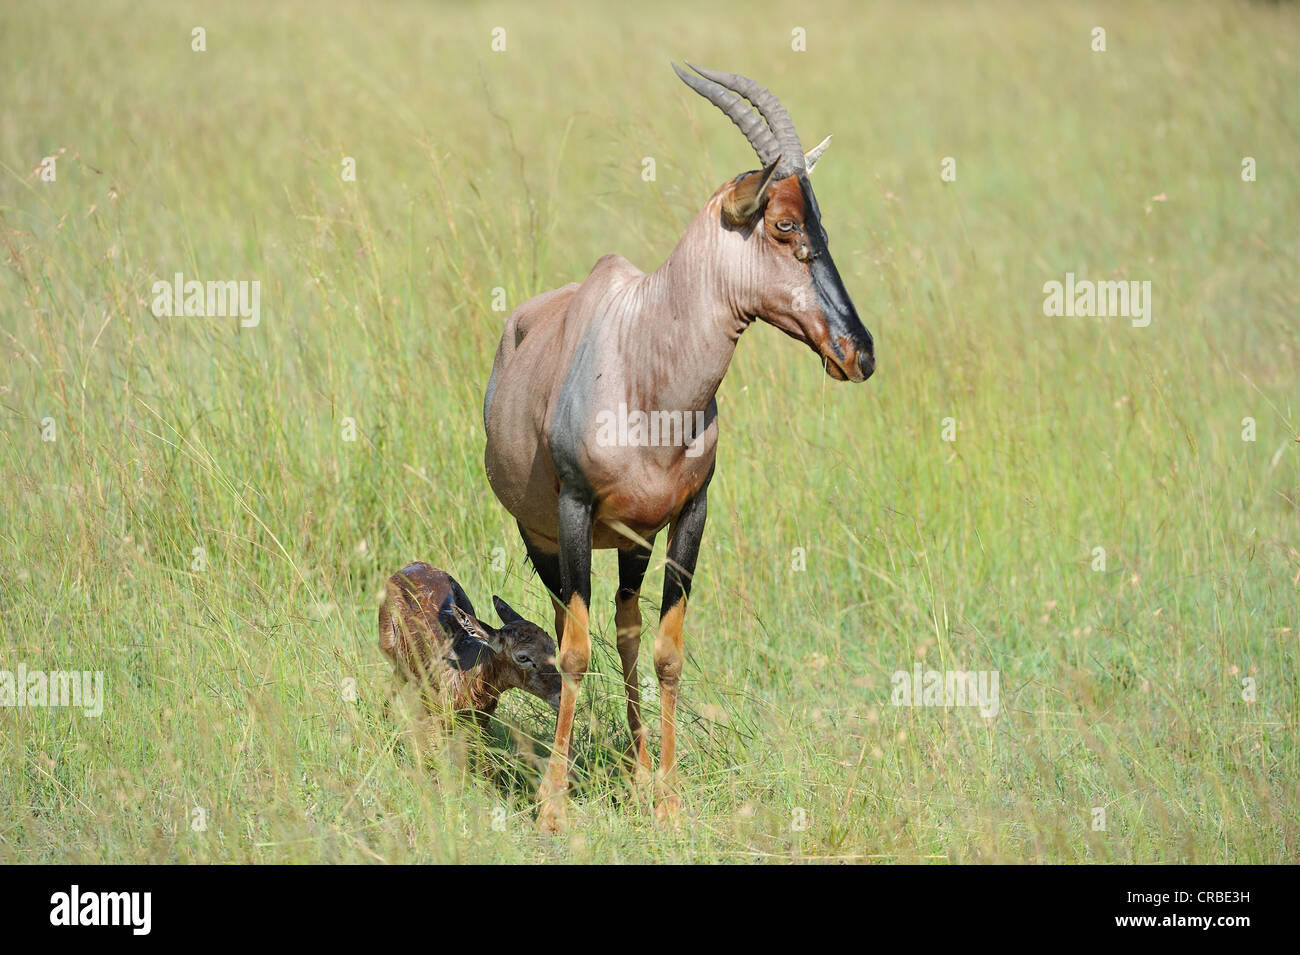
[(769, 130)]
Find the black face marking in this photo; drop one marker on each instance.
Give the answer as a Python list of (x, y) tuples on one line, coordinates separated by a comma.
[(832, 297)]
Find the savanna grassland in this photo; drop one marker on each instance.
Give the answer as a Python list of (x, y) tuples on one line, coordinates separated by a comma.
[(181, 508)]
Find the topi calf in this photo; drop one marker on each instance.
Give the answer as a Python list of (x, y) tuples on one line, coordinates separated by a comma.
[(430, 632)]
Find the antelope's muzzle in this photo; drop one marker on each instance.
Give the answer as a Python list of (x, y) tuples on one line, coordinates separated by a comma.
[(854, 353)]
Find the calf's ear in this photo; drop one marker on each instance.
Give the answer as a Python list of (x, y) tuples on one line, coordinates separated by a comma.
[(471, 642), (505, 611)]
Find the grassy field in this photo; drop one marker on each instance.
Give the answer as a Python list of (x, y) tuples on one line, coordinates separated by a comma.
[(201, 530)]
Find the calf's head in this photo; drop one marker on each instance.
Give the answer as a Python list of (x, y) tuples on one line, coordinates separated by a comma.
[(517, 655)]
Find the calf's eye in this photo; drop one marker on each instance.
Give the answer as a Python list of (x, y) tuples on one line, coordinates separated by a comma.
[(785, 225)]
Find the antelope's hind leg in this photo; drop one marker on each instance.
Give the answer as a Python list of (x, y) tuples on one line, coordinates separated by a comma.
[(627, 621), (548, 569), (683, 549), (575, 651)]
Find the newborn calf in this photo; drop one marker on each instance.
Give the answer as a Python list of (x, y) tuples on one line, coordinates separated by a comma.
[(429, 630)]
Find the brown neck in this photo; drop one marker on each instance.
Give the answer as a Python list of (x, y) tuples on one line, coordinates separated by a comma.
[(680, 343)]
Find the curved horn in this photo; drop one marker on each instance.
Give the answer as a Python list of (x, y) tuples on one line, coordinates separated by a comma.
[(739, 112), (780, 126)]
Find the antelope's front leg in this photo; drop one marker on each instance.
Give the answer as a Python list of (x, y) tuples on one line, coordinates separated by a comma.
[(575, 651), (683, 549), (548, 569)]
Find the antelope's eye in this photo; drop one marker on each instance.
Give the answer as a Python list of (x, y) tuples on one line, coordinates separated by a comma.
[(523, 660), (785, 225)]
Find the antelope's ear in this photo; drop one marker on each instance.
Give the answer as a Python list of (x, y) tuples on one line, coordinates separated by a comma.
[(505, 611), (811, 156), (747, 195), (470, 640)]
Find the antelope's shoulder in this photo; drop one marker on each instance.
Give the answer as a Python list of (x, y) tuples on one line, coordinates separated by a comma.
[(615, 266), (608, 278), (537, 311)]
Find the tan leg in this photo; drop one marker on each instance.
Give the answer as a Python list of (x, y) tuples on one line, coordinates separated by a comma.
[(560, 614), (627, 620), (574, 657), (668, 667)]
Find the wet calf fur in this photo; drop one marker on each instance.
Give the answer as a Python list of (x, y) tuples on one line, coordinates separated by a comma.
[(430, 632)]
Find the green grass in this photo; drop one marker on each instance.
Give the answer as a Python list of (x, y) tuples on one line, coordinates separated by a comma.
[(1120, 688)]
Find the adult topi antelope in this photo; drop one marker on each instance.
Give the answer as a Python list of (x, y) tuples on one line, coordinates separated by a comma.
[(658, 344)]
